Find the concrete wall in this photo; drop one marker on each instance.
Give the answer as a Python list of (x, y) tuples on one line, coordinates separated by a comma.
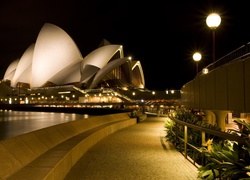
[(225, 88), (30, 155)]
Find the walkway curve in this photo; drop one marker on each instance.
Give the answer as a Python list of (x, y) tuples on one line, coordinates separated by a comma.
[(136, 152)]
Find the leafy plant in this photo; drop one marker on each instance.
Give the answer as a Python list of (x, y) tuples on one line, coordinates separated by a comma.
[(174, 130), (170, 125), (190, 117), (244, 127), (229, 160), (225, 162)]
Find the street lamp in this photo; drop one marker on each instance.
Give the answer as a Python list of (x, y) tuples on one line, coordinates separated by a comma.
[(197, 58), (213, 21)]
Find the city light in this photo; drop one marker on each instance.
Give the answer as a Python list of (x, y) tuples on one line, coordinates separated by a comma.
[(213, 21), (197, 58)]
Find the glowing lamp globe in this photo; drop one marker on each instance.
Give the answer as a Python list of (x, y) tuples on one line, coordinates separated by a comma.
[(197, 56), (213, 20)]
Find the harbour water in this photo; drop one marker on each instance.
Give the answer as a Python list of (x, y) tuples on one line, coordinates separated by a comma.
[(14, 123)]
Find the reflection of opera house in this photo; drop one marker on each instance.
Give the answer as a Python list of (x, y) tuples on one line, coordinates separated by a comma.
[(53, 69)]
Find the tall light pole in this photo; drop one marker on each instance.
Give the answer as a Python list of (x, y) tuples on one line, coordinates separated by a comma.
[(197, 58), (213, 21)]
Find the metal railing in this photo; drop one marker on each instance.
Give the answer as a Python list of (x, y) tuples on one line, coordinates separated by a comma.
[(238, 54), (185, 146)]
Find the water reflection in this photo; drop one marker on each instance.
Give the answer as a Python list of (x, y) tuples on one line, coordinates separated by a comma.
[(13, 123)]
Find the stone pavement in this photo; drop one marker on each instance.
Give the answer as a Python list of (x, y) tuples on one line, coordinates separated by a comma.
[(136, 152)]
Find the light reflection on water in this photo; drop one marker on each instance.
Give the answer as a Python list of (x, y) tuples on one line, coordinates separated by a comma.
[(13, 123)]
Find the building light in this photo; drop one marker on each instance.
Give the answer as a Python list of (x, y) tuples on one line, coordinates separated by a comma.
[(10, 101), (205, 71), (64, 92), (26, 100)]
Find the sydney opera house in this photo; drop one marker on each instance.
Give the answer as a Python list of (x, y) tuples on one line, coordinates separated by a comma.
[(53, 69)]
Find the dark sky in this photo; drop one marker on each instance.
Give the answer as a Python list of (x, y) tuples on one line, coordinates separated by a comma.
[(163, 35)]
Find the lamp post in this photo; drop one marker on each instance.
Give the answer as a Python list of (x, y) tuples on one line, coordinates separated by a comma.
[(213, 21), (197, 58)]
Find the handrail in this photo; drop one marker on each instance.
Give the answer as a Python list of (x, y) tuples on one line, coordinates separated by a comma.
[(212, 131), (203, 131), (238, 54)]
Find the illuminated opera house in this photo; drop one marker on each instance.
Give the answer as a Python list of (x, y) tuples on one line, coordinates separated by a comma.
[(53, 70)]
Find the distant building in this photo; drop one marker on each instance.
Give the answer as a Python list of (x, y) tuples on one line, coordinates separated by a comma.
[(52, 72), (55, 60), (53, 69)]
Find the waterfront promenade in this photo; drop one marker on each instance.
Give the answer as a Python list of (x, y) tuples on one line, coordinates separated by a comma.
[(121, 150), (138, 152)]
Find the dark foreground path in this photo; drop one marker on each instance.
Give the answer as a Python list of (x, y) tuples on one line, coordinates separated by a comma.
[(137, 152)]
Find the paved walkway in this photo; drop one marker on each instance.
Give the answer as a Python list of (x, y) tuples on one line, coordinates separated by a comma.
[(137, 152)]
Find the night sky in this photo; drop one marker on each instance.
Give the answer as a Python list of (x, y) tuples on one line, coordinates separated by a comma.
[(163, 35)]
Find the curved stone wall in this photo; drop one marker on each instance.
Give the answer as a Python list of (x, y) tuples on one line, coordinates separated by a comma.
[(50, 153)]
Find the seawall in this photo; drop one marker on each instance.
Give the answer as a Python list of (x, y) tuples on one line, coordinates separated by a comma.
[(51, 152)]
